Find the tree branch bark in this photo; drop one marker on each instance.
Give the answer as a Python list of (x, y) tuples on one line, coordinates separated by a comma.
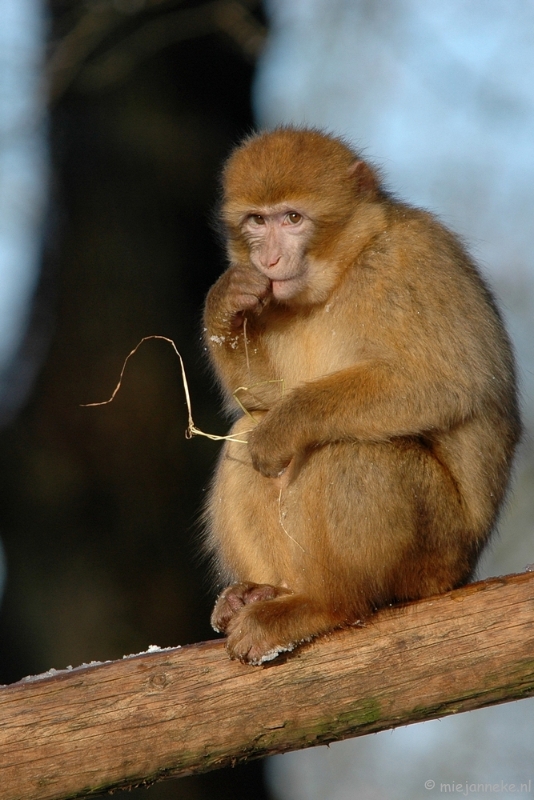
[(184, 710)]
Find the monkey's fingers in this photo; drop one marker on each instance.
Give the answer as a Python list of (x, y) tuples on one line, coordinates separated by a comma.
[(268, 464), (243, 304), (234, 597)]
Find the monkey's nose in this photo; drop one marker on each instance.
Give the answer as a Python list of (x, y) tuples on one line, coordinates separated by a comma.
[(270, 261)]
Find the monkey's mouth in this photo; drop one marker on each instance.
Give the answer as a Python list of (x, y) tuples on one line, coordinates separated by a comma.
[(283, 288)]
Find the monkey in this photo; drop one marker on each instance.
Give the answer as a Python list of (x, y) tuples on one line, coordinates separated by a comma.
[(373, 391)]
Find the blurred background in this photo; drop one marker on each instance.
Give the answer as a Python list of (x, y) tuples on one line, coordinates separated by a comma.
[(115, 116)]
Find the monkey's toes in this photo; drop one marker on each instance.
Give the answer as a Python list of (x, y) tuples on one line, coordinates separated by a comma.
[(254, 647), (234, 597)]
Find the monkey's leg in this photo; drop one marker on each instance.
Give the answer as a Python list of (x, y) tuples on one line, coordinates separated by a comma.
[(244, 535), (288, 547), (374, 524)]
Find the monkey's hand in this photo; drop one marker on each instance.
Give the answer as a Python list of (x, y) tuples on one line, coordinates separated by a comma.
[(276, 441), (239, 290)]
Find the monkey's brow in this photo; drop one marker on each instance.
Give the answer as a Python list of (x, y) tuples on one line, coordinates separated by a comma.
[(291, 204)]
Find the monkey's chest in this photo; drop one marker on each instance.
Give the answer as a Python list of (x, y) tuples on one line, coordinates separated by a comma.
[(306, 352)]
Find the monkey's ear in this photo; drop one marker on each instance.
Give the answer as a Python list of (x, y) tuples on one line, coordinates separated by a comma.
[(364, 178)]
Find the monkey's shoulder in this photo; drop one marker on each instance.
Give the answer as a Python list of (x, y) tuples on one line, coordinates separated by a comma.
[(416, 247), (417, 230)]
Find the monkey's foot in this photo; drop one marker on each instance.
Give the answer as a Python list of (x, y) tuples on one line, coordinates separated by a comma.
[(235, 597), (258, 633)]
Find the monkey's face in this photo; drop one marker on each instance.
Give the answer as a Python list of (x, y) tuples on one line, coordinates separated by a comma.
[(277, 238)]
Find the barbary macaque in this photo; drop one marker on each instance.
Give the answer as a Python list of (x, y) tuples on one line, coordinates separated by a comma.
[(375, 395)]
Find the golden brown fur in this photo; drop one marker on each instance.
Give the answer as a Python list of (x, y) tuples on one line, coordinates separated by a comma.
[(382, 393)]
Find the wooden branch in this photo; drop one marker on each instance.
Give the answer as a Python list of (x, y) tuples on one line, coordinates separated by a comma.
[(179, 711)]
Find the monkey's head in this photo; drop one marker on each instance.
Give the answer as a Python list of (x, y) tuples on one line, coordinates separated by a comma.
[(287, 195)]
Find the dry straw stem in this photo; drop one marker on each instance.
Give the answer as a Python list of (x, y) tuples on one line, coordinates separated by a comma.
[(181, 711), (192, 429)]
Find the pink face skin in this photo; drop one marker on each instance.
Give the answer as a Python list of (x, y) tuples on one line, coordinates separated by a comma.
[(278, 237)]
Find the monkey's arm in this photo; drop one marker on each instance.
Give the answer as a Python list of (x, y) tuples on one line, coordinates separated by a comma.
[(236, 352), (372, 401)]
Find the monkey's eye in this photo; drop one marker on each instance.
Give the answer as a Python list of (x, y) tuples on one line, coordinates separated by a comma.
[(257, 219), (294, 217)]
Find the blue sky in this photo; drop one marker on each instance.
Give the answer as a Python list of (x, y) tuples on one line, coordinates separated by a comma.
[(23, 166), (440, 95)]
